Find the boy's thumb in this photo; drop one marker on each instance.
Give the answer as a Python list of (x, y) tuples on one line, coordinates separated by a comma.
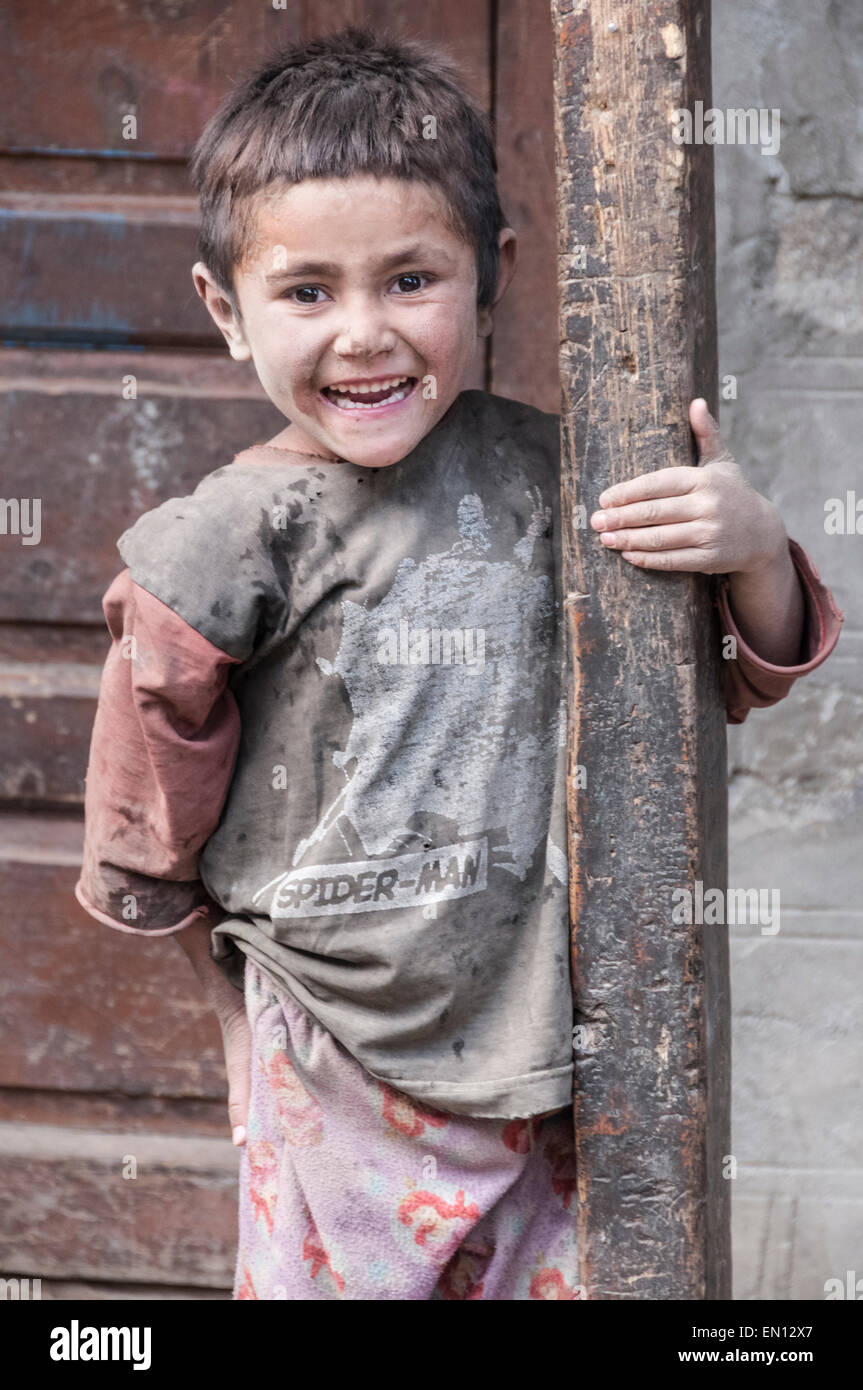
[(705, 429), (237, 1039)]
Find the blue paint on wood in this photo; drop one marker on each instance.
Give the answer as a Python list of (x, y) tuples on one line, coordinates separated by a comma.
[(67, 223), (73, 344), (56, 151), (99, 317)]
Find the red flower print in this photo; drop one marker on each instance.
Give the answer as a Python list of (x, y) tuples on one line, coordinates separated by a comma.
[(299, 1113), (439, 1224), (263, 1174), (550, 1284), (517, 1134), (403, 1114), (314, 1250)]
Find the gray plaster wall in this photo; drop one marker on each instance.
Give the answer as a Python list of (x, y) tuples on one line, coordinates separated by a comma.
[(790, 291)]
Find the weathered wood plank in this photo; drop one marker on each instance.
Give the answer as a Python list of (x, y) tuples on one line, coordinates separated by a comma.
[(637, 328), (171, 66), (90, 1009), (101, 269), (49, 680), (524, 344), (168, 67), (99, 1206), (105, 458), (45, 704), (115, 1112)]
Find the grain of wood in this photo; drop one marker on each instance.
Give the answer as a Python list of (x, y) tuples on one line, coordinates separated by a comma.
[(637, 343)]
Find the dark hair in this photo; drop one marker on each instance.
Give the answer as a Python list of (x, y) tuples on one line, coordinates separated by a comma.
[(347, 103)]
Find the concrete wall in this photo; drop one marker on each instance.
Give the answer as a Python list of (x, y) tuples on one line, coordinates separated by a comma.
[(790, 288)]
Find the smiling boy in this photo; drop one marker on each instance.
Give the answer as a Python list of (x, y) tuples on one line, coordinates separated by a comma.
[(374, 849), (321, 315)]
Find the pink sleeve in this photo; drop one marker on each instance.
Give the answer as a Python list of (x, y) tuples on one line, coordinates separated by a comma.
[(162, 753), (751, 683)]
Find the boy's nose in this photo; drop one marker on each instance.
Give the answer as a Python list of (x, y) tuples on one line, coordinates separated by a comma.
[(365, 331)]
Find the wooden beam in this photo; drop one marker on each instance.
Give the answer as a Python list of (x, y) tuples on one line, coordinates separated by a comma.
[(647, 721)]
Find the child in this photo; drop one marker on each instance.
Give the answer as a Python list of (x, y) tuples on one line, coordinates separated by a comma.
[(328, 751)]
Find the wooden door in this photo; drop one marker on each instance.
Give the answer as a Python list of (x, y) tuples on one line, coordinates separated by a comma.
[(116, 394)]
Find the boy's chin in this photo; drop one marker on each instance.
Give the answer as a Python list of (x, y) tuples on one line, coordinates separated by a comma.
[(381, 459), (375, 453)]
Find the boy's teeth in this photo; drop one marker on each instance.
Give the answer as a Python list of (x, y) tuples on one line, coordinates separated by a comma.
[(366, 387), (345, 397)]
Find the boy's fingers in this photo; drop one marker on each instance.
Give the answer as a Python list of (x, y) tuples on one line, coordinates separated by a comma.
[(662, 482), (674, 560), (651, 512), (237, 1041), (651, 539)]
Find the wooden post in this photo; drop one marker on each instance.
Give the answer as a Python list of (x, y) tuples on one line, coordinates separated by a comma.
[(647, 721)]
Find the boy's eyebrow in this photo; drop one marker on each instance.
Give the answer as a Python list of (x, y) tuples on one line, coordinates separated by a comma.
[(418, 250)]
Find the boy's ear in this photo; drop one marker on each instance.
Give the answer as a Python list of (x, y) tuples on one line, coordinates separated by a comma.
[(507, 260), (222, 312)]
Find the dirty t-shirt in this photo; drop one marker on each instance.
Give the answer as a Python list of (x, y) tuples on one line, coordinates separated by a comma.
[(391, 850), (332, 716)]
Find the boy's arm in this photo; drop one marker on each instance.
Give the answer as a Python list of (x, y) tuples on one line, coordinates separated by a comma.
[(750, 681), (162, 753)]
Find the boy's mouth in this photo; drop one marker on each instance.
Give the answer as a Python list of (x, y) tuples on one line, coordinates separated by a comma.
[(369, 395)]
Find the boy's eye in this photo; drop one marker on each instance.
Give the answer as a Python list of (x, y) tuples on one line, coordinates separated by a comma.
[(303, 290), (414, 276)]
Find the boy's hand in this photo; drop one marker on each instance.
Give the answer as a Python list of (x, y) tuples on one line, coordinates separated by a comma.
[(229, 1007), (708, 518)]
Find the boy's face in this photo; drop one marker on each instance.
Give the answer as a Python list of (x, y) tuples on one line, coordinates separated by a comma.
[(351, 282)]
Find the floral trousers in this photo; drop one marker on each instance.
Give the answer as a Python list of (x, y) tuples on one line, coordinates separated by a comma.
[(349, 1189)]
